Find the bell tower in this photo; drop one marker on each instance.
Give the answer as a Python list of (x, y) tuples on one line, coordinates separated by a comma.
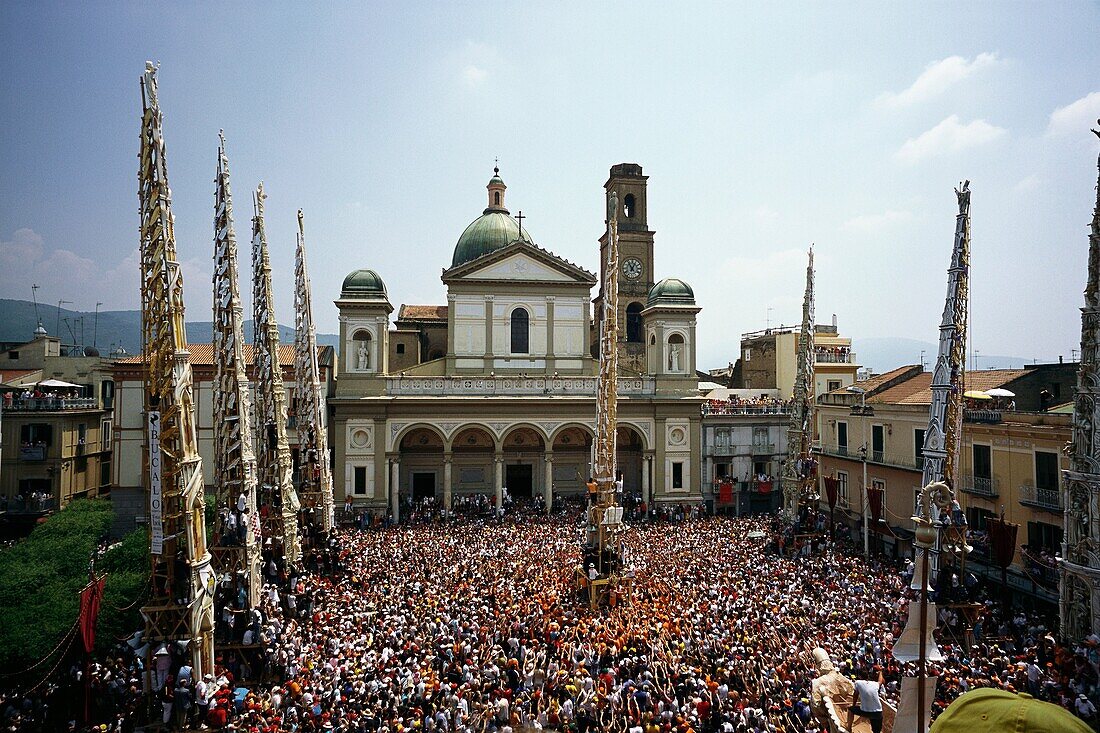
[(635, 264)]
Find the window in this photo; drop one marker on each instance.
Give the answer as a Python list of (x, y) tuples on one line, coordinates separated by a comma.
[(878, 443), (104, 472), (983, 462), (976, 517), (748, 353), (842, 488), (675, 353), (105, 435), (496, 198), (36, 434), (916, 502), (634, 323), (1046, 470), (360, 482), (721, 470), (832, 385), (842, 437), (13, 354), (677, 475), (1043, 536), (401, 348), (918, 447), (521, 331), (628, 206)]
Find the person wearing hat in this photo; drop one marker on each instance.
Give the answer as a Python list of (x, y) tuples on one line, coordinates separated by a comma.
[(989, 710)]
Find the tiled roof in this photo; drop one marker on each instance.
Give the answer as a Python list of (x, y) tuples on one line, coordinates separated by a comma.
[(8, 375), (203, 354), (918, 390), (422, 312), (876, 381)]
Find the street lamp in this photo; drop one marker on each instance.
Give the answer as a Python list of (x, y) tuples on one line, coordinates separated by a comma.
[(862, 410)]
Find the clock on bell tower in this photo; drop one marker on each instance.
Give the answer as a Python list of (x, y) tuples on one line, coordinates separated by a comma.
[(635, 264)]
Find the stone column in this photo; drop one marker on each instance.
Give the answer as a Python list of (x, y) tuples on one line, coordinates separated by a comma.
[(498, 483), (395, 488), (488, 332), (447, 480), (551, 351), (646, 494), (548, 487)]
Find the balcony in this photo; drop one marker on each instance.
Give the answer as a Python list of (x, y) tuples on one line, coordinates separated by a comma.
[(32, 453), (878, 456), (763, 449), (518, 386), (724, 408), (51, 404), (1049, 499), (834, 356), (981, 486), (988, 417)]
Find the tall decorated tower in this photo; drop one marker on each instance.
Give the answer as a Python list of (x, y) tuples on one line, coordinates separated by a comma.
[(1079, 589)]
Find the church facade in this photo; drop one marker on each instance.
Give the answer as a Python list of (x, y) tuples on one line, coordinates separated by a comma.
[(496, 389)]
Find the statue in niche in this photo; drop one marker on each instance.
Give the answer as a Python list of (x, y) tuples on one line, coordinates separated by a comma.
[(674, 357), (363, 362)]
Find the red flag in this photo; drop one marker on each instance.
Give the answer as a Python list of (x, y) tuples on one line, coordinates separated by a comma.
[(874, 500), (89, 611), (765, 487), (831, 489), (1002, 540)]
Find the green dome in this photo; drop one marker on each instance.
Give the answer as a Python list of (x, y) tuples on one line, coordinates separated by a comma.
[(491, 231), (363, 284), (672, 290)]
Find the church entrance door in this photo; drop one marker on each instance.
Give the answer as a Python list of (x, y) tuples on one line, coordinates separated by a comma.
[(423, 485), (518, 479)]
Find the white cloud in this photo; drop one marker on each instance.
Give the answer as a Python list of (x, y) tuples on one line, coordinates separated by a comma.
[(474, 75), (937, 77), (1030, 183), (950, 136), (478, 62), (1076, 117), (25, 260), (875, 223)]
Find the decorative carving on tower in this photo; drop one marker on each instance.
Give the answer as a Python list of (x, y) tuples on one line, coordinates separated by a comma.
[(238, 553), (273, 449), (315, 477), (1080, 578), (181, 606), (799, 472)]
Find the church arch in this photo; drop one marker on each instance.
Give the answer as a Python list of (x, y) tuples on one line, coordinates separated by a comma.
[(628, 206)]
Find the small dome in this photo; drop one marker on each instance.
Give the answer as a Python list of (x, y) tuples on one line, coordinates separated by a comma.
[(363, 284), (671, 290), (489, 232)]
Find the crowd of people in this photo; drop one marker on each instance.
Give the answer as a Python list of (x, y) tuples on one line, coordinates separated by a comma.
[(473, 624), (736, 405)]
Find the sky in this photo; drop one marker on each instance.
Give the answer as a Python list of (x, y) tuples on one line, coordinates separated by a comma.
[(763, 128)]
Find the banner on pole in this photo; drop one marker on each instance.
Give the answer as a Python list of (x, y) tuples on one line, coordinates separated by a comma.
[(156, 494), (89, 611)]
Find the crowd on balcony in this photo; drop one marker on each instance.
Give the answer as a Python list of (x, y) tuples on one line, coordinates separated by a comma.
[(832, 354), (735, 405), (472, 626), (35, 501), (43, 399)]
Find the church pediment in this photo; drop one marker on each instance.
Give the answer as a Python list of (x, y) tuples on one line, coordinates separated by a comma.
[(520, 261)]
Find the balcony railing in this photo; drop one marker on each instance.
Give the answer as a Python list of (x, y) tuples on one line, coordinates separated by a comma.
[(829, 356), (878, 456), (513, 386), (1043, 498), (992, 417), (981, 486), (50, 404), (763, 449), (710, 408), (32, 453)]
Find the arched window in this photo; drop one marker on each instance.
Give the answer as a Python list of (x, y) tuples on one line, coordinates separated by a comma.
[(675, 361), (361, 355), (496, 198), (628, 206), (634, 323), (521, 331)]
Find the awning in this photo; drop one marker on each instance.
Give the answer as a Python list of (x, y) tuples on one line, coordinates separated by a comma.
[(999, 392), (56, 383), (977, 395)]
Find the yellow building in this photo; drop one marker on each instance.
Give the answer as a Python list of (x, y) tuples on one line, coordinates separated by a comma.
[(769, 359), (1010, 462)]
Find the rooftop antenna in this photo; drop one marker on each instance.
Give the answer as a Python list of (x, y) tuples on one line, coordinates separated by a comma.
[(34, 297), (95, 325), (57, 325), (69, 327), (768, 319)]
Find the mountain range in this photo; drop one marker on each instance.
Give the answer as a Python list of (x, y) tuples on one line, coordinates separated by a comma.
[(881, 354), (110, 330)]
